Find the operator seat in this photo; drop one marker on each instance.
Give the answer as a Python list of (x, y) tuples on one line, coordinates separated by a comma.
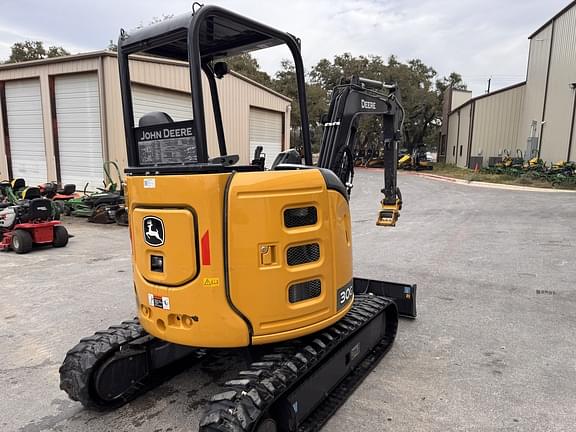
[(154, 118), (31, 193), (18, 183), (288, 157)]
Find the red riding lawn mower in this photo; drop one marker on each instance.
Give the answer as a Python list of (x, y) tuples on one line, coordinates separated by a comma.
[(29, 222)]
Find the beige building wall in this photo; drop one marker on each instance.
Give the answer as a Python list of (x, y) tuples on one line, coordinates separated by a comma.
[(237, 95), (42, 70), (460, 97), (560, 98), (459, 135), (496, 123), (3, 161), (463, 136), (485, 126), (573, 147), (533, 106), (452, 140), (451, 100)]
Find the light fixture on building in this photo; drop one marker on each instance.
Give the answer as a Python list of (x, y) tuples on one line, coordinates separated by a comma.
[(573, 86)]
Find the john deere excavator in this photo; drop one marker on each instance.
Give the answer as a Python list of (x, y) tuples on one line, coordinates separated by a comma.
[(235, 256)]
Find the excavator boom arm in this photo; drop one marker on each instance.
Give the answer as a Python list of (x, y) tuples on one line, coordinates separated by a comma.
[(350, 100)]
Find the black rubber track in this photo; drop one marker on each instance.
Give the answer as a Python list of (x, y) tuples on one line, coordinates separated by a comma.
[(248, 398), (82, 361)]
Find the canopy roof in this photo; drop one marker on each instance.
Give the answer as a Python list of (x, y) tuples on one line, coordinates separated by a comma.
[(218, 32)]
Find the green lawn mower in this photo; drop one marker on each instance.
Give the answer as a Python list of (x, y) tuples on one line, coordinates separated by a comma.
[(105, 206)]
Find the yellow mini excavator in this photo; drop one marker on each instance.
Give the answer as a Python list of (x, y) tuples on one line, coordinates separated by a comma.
[(236, 256)]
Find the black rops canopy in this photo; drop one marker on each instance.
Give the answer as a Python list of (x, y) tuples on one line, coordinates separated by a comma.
[(206, 34)]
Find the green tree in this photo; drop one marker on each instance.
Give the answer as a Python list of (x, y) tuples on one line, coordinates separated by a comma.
[(248, 66), (285, 83), (33, 50), (420, 94), (453, 80)]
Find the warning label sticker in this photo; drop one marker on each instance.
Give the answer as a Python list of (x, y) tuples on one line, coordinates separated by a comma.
[(159, 302), (212, 282)]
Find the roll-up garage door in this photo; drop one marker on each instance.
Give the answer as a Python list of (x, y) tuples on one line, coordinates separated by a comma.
[(266, 131), (26, 130), (79, 133), (148, 99)]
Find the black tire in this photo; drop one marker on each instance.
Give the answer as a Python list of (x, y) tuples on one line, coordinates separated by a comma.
[(121, 217), (60, 236), (21, 242), (101, 214)]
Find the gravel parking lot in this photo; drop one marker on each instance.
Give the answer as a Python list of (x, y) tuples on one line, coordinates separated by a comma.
[(493, 348)]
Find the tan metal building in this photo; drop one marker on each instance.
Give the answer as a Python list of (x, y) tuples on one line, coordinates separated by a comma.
[(535, 117), (551, 88), (61, 118), (452, 99), (484, 127)]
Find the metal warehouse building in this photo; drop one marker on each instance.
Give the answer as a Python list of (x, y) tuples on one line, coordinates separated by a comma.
[(62, 117), (535, 116)]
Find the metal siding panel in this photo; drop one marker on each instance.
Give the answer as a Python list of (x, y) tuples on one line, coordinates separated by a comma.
[(114, 119), (37, 70), (573, 148), (149, 99), (572, 155), (173, 77), (3, 159), (79, 132), (237, 96), (462, 159), (558, 114), (460, 97), (26, 130), (452, 137), (496, 123), (266, 131), (535, 84)]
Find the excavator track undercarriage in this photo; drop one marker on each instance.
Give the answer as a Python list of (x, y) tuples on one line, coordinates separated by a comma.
[(289, 386)]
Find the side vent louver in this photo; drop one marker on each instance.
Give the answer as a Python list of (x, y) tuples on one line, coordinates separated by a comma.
[(303, 254), (301, 216), (304, 290)]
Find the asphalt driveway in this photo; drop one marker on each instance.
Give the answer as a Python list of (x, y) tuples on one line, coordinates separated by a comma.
[(493, 348)]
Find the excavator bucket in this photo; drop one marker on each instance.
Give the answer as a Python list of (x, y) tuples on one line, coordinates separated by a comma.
[(404, 295), (388, 215)]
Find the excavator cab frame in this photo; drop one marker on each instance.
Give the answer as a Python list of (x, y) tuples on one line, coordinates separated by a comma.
[(202, 38)]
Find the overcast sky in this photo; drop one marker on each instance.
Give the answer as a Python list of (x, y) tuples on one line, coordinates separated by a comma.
[(477, 38)]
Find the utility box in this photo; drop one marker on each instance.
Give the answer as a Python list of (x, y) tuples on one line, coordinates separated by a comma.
[(493, 160), (476, 161), (531, 148)]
